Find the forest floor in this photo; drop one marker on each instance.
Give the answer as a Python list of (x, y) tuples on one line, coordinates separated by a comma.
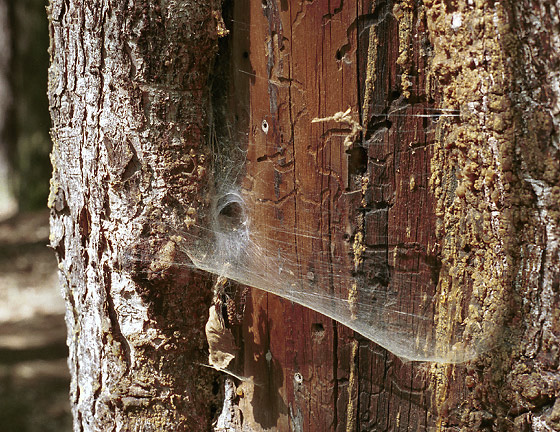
[(34, 377)]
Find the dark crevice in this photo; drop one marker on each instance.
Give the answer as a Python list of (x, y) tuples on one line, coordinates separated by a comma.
[(80, 421), (335, 374), (357, 160), (132, 167), (376, 124), (375, 205), (357, 366), (365, 21), (84, 223), (317, 328), (380, 13), (96, 394), (112, 313)]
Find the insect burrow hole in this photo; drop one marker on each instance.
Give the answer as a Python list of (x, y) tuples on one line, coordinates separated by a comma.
[(264, 126), (230, 213)]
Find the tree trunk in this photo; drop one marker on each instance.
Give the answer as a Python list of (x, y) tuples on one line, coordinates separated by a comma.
[(392, 166), (129, 94), (28, 140), (7, 200)]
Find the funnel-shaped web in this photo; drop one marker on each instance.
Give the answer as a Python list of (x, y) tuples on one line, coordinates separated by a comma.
[(270, 261), (258, 242)]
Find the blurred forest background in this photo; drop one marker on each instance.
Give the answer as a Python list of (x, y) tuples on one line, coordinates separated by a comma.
[(33, 373)]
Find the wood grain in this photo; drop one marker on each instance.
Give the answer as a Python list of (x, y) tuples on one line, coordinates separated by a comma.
[(309, 61)]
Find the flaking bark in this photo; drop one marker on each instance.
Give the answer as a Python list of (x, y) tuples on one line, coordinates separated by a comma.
[(128, 92)]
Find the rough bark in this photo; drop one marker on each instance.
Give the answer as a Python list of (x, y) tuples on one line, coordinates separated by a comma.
[(450, 191), (500, 234), (128, 91)]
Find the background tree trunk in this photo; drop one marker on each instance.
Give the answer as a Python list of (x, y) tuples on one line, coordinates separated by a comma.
[(24, 122), (28, 123), (7, 201), (449, 191)]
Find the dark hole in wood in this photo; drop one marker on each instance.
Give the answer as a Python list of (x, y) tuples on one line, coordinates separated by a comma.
[(377, 124), (317, 328), (189, 166), (358, 159), (231, 213)]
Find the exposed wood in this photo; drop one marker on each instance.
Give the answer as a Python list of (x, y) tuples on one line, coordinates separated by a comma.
[(309, 62), (441, 199)]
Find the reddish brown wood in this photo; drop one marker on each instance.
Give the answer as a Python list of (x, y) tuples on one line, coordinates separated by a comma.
[(310, 61), (395, 64), (302, 168), (399, 222)]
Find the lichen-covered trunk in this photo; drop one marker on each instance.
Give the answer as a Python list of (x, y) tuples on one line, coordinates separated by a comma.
[(496, 178), (128, 92)]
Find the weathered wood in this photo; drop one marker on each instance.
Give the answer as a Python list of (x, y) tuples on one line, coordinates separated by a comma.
[(292, 352), (450, 209), (399, 219), (310, 61)]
